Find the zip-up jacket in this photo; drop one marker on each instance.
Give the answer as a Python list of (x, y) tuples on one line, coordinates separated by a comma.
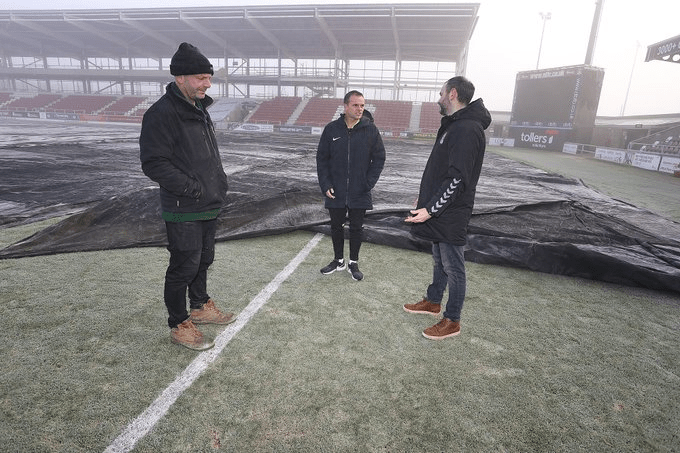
[(178, 150), (350, 161), (449, 183)]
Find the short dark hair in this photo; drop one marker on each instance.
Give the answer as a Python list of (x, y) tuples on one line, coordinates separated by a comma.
[(350, 94), (464, 88)]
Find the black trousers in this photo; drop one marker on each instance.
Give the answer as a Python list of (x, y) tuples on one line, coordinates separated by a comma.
[(356, 228), (192, 251)]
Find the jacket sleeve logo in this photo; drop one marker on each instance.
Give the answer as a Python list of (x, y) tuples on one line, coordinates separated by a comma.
[(446, 196)]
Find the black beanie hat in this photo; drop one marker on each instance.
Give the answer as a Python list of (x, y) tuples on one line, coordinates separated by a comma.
[(189, 60)]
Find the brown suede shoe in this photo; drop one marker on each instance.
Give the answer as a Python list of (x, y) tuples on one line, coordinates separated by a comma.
[(209, 314), (424, 306), (443, 329), (187, 335)]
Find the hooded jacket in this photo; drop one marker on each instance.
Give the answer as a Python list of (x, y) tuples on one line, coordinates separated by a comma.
[(350, 161), (178, 150), (449, 182)]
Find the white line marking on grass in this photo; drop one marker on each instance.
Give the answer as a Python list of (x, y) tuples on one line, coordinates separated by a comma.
[(148, 419)]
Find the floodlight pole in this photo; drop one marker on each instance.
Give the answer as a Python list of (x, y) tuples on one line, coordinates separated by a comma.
[(545, 17), (630, 79), (593, 32)]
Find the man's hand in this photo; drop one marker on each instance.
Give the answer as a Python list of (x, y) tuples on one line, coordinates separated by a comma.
[(330, 192), (419, 216), (195, 191)]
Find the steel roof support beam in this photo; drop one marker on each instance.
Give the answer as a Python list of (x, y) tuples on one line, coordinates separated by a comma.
[(7, 37), (269, 36), (327, 31), (32, 25), (461, 62), (229, 51), (397, 56), (172, 45), (88, 27)]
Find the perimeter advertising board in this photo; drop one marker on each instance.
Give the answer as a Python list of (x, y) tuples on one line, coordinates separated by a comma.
[(556, 105)]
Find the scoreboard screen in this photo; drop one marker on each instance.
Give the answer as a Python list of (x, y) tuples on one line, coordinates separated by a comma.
[(553, 106), (547, 98)]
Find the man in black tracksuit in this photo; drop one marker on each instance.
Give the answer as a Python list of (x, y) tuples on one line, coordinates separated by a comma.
[(349, 160), (446, 199), (178, 150)]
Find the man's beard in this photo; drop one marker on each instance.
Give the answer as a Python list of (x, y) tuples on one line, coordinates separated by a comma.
[(442, 108)]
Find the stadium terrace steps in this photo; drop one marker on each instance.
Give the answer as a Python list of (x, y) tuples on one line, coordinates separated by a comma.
[(430, 118), (391, 117), (319, 112), (73, 103), (31, 103), (275, 111)]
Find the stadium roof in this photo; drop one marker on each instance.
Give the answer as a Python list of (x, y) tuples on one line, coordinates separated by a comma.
[(404, 32)]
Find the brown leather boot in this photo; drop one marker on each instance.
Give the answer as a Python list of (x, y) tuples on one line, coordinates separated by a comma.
[(187, 335), (209, 314), (443, 329), (424, 306)]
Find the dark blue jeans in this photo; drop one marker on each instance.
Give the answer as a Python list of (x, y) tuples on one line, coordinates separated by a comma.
[(449, 270), (356, 228), (192, 251)]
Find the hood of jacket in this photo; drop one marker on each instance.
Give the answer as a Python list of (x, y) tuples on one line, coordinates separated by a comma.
[(365, 120), (475, 111)]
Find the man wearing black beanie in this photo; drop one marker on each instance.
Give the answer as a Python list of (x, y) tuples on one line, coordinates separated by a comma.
[(178, 150)]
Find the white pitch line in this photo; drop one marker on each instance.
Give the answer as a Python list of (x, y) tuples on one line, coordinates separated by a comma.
[(140, 427)]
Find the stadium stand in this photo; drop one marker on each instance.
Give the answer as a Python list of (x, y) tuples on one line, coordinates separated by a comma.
[(664, 142), (391, 116), (430, 118), (80, 104), (98, 107), (139, 112), (275, 111), (33, 103), (144, 106), (319, 112), (123, 105)]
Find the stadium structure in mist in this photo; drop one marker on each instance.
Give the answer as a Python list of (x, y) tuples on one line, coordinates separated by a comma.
[(391, 52), (276, 66)]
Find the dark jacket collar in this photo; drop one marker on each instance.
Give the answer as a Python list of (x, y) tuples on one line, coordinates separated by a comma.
[(364, 121), (202, 104), (475, 111)]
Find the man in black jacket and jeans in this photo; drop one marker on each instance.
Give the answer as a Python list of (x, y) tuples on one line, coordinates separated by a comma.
[(178, 150), (446, 199), (349, 160)]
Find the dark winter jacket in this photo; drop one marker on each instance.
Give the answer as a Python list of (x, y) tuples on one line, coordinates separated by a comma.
[(449, 183), (350, 161), (178, 150)]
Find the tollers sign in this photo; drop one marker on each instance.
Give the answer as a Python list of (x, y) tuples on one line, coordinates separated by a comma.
[(551, 139)]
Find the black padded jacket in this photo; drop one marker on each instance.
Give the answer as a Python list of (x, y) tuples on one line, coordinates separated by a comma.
[(449, 182), (178, 150), (350, 161)]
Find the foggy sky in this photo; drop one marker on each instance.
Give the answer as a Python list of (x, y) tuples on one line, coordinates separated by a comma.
[(507, 38)]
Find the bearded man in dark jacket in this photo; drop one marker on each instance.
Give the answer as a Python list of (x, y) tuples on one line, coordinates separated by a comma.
[(446, 199), (349, 160), (178, 150)]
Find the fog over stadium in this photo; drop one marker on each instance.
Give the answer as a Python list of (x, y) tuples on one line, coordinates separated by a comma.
[(508, 36)]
